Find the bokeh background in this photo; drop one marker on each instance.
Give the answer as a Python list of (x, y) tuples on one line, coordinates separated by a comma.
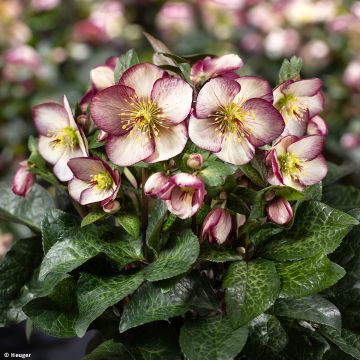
[(47, 48)]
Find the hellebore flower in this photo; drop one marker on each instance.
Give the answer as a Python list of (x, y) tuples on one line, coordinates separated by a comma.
[(216, 226), (143, 115), (297, 162), (279, 211), (233, 117), (317, 126), (60, 138), (23, 180), (298, 101), (94, 181), (195, 161), (208, 68), (184, 193)]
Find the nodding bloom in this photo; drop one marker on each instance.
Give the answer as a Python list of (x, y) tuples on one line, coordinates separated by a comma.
[(143, 115), (298, 101), (60, 139), (94, 181), (233, 117), (184, 193), (279, 211), (297, 162), (317, 126), (23, 180), (216, 226), (208, 68)]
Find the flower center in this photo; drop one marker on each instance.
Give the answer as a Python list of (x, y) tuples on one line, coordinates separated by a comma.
[(66, 137), (232, 119), (102, 181), (290, 165), (290, 107)]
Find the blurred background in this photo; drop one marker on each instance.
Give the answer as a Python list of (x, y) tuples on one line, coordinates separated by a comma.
[(47, 48)]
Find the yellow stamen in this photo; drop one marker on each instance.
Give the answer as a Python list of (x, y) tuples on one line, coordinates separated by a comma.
[(66, 138), (290, 165), (102, 181), (290, 107)]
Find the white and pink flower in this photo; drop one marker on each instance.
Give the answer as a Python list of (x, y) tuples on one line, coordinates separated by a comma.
[(298, 101), (93, 182), (184, 193), (208, 68), (279, 211), (234, 117), (23, 180), (144, 115), (60, 139), (216, 226), (297, 162)]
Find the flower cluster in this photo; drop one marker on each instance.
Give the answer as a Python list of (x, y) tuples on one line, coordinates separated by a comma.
[(151, 114)]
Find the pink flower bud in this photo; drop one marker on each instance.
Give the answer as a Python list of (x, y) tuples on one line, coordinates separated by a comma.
[(350, 141), (112, 207), (195, 161), (157, 185), (216, 226), (279, 211), (317, 126), (102, 135), (23, 180)]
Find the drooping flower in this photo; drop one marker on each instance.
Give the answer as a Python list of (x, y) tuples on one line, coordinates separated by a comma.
[(59, 137), (208, 68), (94, 181), (297, 162), (184, 193), (233, 117), (279, 211), (23, 180), (216, 226), (143, 115), (317, 126), (298, 101)]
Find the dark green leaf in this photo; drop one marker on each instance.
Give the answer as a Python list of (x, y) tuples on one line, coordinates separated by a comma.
[(94, 143), (290, 70), (215, 173), (125, 61), (130, 223), (211, 338), (93, 217), (337, 172), (251, 288), (342, 197), (218, 254), (109, 349), (253, 175)]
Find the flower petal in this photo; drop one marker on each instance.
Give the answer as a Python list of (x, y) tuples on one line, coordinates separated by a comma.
[(84, 168), (202, 133), (155, 184), (226, 63), (317, 126), (253, 87), (235, 152), (76, 187), (174, 97), (49, 117), (180, 204), (22, 181), (289, 181), (102, 77), (61, 169), (214, 94), (306, 87), (211, 220), (296, 126), (315, 104), (279, 211), (141, 78), (47, 151), (129, 149), (282, 144), (169, 142), (222, 229), (187, 180), (308, 147), (70, 115), (92, 195), (110, 109), (266, 123), (314, 171)]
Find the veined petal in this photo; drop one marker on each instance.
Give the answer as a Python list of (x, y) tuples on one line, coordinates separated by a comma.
[(102, 77), (235, 152), (155, 184), (279, 211), (50, 153), (222, 229), (253, 87), (214, 94), (314, 171), (92, 195), (70, 115), (266, 123), (211, 220), (276, 169), (169, 142), (110, 109), (49, 117), (306, 87), (141, 78), (180, 204), (186, 180), (84, 168), (76, 187), (61, 169), (308, 147), (202, 133), (174, 97), (289, 181), (129, 149), (226, 63), (317, 126), (282, 144), (315, 104), (296, 126)]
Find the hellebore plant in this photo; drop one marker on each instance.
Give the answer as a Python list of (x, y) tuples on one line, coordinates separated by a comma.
[(186, 217)]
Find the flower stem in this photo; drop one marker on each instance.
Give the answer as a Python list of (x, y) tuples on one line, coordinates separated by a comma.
[(144, 211)]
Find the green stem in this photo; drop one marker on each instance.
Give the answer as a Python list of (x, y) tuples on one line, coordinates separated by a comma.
[(144, 211)]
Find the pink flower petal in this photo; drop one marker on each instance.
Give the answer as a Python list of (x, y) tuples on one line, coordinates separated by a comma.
[(211, 220), (70, 115), (315, 104), (314, 171), (202, 133), (235, 152), (22, 181), (92, 195), (76, 187), (47, 151), (61, 169), (226, 63), (279, 211), (156, 184), (129, 149), (266, 123), (282, 144), (214, 94), (289, 181), (306, 87), (49, 116), (221, 230), (276, 168), (169, 143), (141, 78), (253, 87), (102, 77), (85, 168), (296, 126), (111, 109), (308, 147), (180, 204), (174, 97), (187, 180), (317, 126)]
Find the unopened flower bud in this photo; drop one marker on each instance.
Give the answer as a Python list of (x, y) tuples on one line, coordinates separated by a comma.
[(195, 161), (216, 226), (23, 180), (279, 211), (112, 207), (102, 135)]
